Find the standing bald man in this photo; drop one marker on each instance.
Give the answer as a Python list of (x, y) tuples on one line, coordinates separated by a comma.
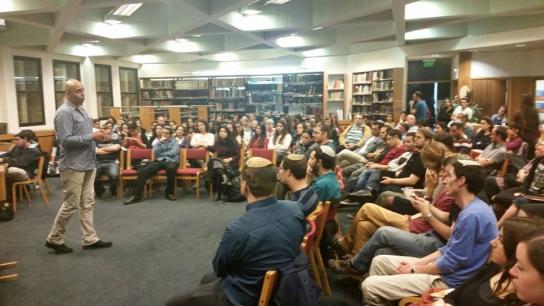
[(77, 165)]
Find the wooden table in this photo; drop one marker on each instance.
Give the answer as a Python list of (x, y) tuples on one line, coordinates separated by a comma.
[(3, 170)]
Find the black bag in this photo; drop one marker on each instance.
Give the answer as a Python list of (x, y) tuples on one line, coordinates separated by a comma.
[(6, 211), (233, 191)]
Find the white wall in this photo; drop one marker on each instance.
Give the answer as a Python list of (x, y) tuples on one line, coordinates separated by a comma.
[(8, 94), (376, 60), (507, 64)]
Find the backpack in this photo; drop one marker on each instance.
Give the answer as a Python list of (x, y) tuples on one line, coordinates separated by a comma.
[(6, 211), (233, 191)]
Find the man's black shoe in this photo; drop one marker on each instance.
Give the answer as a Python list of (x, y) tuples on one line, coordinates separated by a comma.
[(99, 192), (133, 199), (58, 248), (98, 245), (171, 197)]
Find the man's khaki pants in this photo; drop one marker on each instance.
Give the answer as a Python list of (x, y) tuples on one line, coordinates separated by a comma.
[(384, 284), (78, 188)]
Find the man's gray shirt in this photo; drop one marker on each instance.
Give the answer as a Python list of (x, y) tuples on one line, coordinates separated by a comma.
[(74, 128)]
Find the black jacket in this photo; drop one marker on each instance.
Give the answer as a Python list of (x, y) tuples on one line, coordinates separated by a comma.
[(24, 158)]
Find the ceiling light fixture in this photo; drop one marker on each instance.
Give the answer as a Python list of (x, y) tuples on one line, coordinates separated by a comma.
[(181, 40), (290, 41), (318, 28), (196, 35), (520, 45), (109, 19), (126, 9), (249, 12), (276, 2)]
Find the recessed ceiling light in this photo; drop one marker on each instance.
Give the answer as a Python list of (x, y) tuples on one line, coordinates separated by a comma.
[(520, 45), (290, 41), (226, 57), (196, 35), (126, 9), (181, 40), (276, 2), (314, 53), (250, 12), (318, 28)]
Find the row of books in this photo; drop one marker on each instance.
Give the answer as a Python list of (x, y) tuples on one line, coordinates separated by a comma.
[(336, 84)]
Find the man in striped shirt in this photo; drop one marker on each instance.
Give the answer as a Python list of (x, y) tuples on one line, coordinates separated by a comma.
[(292, 173), (355, 135)]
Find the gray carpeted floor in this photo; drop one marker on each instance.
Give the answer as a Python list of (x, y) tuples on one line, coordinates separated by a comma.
[(159, 249)]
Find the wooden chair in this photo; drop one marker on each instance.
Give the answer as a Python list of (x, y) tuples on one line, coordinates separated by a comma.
[(271, 155), (269, 284), (504, 168), (186, 173), (321, 213), (5, 146), (129, 174), (8, 277), (22, 186), (307, 246)]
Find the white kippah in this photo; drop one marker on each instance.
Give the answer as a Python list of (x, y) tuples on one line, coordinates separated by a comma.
[(328, 150)]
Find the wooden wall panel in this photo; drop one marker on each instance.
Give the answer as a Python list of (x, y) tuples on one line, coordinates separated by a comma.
[(398, 93), (489, 94)]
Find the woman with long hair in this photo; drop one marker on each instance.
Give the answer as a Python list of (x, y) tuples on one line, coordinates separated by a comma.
[(202, 138), (493, 285), (183, 140), (224, 165), (156, 136), (333, 130), (259, 140), (281, 140), (299, 129), (527, 119)]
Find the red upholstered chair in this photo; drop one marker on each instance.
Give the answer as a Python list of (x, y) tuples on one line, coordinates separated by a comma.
[(126, 172), (307, 246), (186, 173)]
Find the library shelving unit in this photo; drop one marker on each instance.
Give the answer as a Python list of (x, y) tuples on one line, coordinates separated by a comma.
[(303, 93), (228, 95), (192, 91), (157, 91), (335, 98), (378, 93), (264, 94)]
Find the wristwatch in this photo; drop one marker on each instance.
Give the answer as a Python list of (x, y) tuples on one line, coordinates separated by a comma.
[(428, 216)]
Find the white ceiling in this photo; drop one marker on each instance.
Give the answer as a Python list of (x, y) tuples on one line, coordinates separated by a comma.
[(212, 28)]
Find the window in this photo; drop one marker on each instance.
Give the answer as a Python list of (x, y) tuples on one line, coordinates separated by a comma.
[(62, 72), (129, 86), (104, 97), (28, 84)]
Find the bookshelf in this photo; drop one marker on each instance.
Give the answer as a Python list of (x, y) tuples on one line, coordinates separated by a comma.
[(378, 93), (264, 94), (192, 91), (303, 93), (157, 91), (228, 95), (334, 101)]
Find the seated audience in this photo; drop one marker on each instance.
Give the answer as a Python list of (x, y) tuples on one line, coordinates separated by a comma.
[(355, 135), (461, 143), (224, 164), (500, 117), (332, 126), (107, 162), (134, 140), (280, 141), (528, 272), (321, 136), (463, 108), (492, 285), (183, 140), (495, 153), (22, 158), (202, 139), (292, 173), (483, 136), (320, 170), (258, 140), (156, 136), (305, 144), (514, 141), (271, 232), (166, 152), (348, 157), (445, 112), (395, 277)]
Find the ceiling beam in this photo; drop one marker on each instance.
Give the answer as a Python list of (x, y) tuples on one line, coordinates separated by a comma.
[(62, 20), (400, 22)]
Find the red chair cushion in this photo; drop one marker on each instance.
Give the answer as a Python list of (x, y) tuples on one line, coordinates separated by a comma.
[(140, 153), (129, 172), (188, 171)]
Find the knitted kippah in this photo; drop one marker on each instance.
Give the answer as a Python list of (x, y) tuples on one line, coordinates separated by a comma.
[(295, 157), (258, 162), (328, 151)]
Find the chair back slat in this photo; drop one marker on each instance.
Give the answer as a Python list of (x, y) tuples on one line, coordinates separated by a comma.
[(269, 284), (308, 240), (140, 154), (320, 222)]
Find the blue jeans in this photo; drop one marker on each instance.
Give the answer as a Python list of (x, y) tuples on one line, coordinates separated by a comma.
[(393, 241), (111, 170), (369, 178)]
